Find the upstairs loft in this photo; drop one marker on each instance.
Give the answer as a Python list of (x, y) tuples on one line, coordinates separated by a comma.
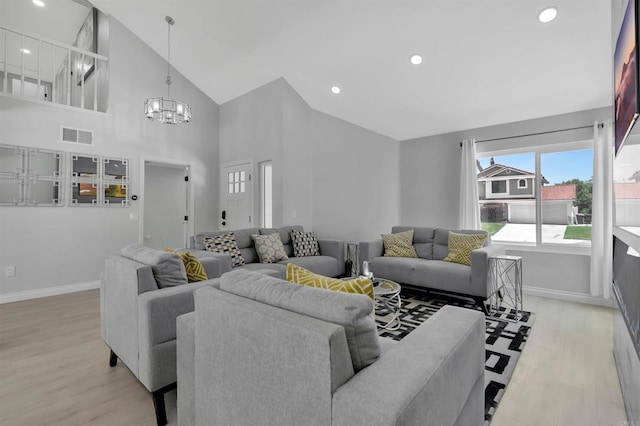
[(42, 70)]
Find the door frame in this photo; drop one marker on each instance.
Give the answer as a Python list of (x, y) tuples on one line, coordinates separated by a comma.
[(224, 188), (190, 226)]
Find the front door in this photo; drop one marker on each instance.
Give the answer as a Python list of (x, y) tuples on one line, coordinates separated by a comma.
[(236, 196)]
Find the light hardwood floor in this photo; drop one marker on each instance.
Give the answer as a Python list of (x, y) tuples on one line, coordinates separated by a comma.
[(54, 369)]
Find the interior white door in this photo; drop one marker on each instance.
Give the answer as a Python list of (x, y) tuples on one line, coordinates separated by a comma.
[(165, 205), (236, 200)]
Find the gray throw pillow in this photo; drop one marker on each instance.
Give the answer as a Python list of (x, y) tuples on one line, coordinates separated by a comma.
[(351, 311), (269, 248), (168, 268)]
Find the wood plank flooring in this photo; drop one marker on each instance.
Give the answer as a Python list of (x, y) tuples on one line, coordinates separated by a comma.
[(54, 369)]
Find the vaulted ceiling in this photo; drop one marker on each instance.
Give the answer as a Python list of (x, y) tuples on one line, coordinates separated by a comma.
[(485, 61)]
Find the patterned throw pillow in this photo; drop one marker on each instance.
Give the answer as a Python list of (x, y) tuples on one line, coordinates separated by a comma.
[(269, 248), (299, 275), (225, 243), (461, 246), (304, 243), (399, 245), (193, 266)]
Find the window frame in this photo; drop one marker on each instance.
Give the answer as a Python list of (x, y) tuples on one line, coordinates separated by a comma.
[(526, 183), (538, 151)]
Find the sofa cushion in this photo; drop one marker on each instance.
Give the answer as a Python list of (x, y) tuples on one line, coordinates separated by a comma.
[(400, 269), (167, 268), (305, 243), (351, 311), (299, 275), (285, 236), (269, 248), (280, 268), (399, 245), (225, 243), (323, 265), (448, 276), (422, 239), (461, 246), (243, 237)]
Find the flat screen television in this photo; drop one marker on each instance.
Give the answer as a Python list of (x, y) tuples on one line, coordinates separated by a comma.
[(626, 84)]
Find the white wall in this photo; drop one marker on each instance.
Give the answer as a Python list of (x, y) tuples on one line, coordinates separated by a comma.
[(430, 176), (53, 247), (355, 180)]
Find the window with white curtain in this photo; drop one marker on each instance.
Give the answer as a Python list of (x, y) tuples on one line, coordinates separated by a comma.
[(538, 195)]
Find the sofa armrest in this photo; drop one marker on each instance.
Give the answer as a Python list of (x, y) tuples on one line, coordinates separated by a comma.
[(431, 374), (185, 362), (223, 258), (157, 314), (480, 266), (369, 250), (335, 249)]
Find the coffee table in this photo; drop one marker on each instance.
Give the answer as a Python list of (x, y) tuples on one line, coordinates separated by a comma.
[(387, 295)]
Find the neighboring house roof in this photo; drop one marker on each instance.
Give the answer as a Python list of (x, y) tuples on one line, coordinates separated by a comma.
[(627, 190), (559, 192), (636, 176), (500, 170)]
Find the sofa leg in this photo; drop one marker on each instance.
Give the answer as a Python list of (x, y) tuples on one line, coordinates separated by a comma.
[(481, 302), (158, 403), (113, 359)]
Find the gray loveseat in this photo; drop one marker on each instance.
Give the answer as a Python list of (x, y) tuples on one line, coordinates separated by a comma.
[(310, 369), (138, 316), (429, 270), (330, 263)]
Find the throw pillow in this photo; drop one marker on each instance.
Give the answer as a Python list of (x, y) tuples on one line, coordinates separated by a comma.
[(269, 248), (350, 311), (225, 243), (193, 266), (399, 245), (299, 275), (304, 243), (461, 246), (168, 269)]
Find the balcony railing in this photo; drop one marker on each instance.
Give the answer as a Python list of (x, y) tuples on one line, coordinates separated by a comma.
[(44, 70)]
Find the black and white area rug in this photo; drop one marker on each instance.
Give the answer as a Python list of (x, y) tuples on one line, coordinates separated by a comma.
[(504, 341)]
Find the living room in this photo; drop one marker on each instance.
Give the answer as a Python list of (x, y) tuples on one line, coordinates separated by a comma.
[(340, 179)]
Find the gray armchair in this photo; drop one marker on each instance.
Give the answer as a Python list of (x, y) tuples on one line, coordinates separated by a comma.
[(138, 318), (248, 355)]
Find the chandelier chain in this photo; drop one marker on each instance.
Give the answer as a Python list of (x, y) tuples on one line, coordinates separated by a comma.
[(169, 59)]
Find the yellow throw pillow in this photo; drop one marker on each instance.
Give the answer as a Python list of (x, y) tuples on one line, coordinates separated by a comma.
[(193, 266), (399, 245), (461, 246), (299, 275)]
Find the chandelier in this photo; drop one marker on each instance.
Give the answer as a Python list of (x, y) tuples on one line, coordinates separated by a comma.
[(167, 110)]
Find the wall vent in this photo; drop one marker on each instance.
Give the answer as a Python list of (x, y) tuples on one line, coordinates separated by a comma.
[(78, 136)]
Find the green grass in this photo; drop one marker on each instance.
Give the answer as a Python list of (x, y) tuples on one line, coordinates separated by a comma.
[(492, 228), (578, 233)]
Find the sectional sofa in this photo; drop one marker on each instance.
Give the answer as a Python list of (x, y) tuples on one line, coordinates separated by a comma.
[(330, 262)]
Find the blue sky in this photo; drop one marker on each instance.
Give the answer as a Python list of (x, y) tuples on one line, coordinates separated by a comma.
[(556, 166)]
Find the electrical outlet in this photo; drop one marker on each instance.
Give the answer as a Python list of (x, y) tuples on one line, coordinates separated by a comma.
[(10, 271)]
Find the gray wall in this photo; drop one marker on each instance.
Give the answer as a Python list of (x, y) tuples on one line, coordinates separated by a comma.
[(341, 180), (67, 245), (355, 180), (429, 186)]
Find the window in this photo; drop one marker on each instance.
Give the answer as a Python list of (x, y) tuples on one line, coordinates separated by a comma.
[(237, 182), (499, 187), (548, 200), (266, 193)]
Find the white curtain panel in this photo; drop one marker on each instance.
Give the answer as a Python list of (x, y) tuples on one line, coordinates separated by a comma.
[(602, 210), (469, 208)]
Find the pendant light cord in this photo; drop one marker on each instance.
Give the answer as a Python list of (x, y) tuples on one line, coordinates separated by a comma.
[(168, 59)]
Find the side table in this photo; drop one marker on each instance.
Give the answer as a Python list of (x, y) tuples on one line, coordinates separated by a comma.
[(505, 279)]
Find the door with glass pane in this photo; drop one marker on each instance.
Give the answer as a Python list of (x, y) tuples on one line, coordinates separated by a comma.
[(236, 196)]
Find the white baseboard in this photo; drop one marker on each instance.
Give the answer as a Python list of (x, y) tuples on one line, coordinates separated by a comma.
[(45, 292), (568, 296)]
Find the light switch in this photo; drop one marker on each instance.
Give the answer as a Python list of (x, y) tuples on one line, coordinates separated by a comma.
[(133, 216)]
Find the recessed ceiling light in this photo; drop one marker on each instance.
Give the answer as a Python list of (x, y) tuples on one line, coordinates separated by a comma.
[(415, 59), (25, 51), (548, 15), (335, 89), (39, 3)]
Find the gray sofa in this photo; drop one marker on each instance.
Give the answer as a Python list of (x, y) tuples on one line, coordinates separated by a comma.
[(138, 318), (330, 263), (429, 270), (307, 375)]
